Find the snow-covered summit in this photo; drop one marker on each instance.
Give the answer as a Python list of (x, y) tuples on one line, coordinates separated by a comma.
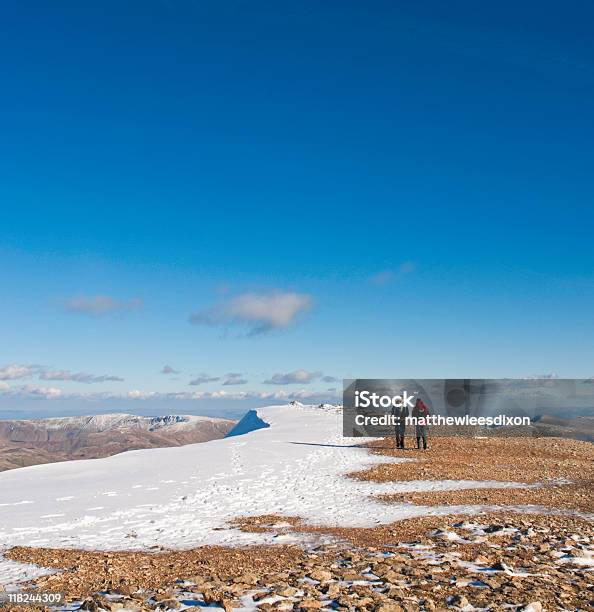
[(186, 496)]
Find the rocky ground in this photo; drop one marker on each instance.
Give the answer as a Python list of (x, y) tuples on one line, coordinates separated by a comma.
[(492, 561), (578, 497), (529, 460), (560, 472), (488, 560)]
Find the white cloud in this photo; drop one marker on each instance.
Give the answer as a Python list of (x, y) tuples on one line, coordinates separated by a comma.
[(48, 392), (260, 312), (32, 391), (292, 378), (142, 395), (385, 277), (99, 305), (82, 377), (16, 371)]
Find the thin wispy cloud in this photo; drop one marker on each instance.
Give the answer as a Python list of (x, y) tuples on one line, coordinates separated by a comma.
[(202, 379), (21, 371), (548, 376), (81, 377), (258, 312), (235, 378), (167, 369), (386, 277), (293, 378), (99, 305)]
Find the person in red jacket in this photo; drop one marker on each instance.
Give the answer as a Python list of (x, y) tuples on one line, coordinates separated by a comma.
[(420, 411)]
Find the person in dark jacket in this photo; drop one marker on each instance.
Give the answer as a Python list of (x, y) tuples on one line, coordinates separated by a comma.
[(420, 411), (401, 414)]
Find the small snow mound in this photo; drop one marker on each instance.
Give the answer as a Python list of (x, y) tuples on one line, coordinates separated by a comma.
[(250, 422), (331, 407)]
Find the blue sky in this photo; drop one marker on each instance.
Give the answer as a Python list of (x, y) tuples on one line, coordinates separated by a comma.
[(291, 193)]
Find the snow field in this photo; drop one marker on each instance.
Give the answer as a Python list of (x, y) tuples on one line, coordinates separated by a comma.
[(185, 496)]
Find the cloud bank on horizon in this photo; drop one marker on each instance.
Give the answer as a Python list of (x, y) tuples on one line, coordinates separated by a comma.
[(11, 373), (53, 393)]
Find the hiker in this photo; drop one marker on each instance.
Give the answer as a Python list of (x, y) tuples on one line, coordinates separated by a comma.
[(420, 411), (401, 414)]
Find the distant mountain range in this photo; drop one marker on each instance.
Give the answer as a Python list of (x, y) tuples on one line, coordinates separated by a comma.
[(31, 442)]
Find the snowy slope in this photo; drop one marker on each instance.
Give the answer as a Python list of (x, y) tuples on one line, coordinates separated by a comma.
[(184, 496)]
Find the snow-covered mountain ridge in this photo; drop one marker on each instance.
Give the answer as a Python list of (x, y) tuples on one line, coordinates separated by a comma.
[(30, 442), (119, 420)]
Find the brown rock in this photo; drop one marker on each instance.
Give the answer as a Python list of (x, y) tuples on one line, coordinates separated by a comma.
[(321, 575), (392, 576), (247, 579), (288, 591), (309, 604)]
